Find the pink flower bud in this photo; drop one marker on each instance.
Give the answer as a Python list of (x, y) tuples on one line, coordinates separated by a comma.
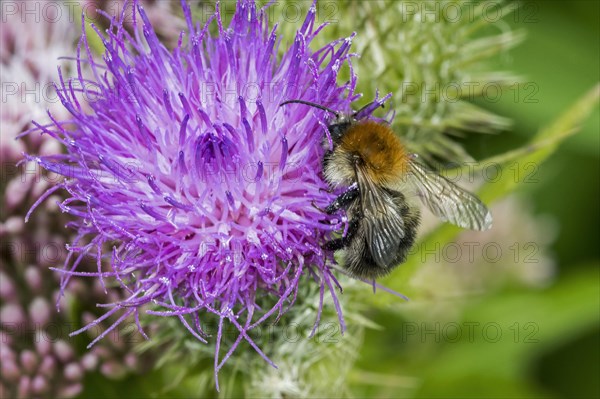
[(10, 370), (48, 365), (24, 390), (40, 311), (113, 370), (7, 287), (73, 371), (63, 351), (33, 276), (39, 385), (89, 361), (12, 314), (29, 361), (70, 391), (43, 345)]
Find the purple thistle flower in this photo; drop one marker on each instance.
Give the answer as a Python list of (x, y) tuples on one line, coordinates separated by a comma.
[(188, 169)]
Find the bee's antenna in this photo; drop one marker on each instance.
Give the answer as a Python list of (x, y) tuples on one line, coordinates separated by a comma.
[(310, 104)]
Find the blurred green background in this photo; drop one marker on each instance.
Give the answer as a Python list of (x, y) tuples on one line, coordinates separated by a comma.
[(560, 57)]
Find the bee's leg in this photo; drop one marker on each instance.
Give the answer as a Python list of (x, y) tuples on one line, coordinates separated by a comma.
[(343, 200), (343, 242), (328, 190)]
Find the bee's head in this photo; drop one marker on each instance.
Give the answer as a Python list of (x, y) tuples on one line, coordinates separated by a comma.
[(341, 122)]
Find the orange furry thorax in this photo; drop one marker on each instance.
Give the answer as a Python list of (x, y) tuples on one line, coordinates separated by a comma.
[(379, 150)]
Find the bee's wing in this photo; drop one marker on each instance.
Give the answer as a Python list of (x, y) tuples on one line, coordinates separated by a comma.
[(448, 201), (382, 221)]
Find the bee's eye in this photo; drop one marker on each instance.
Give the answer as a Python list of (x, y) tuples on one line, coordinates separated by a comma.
[(337, 130)]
